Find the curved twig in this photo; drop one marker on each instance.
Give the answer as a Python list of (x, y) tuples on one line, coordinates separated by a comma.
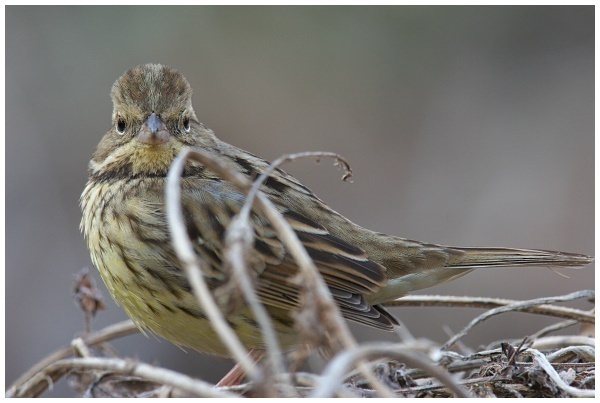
[(113, 331), (39, 382), (513, 307), (542, 361), (334, 372)]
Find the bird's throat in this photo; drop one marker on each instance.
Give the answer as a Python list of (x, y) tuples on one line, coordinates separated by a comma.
[(154, 158)]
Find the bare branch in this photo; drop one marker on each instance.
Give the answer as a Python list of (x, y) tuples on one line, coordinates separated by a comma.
[(481, 302), (550, 342), (38, 383), (552, 328), (114, 331), (513, 307)]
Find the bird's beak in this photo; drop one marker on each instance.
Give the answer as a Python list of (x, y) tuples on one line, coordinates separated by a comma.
[(153, 131)]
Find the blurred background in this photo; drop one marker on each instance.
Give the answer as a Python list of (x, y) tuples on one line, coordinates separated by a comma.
[(469, 126)]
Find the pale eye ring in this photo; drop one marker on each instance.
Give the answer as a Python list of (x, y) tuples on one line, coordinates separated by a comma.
[(186, 123), (120, 125)]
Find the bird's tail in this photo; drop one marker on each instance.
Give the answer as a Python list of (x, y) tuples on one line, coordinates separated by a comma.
[(426, 265), (473, 258)]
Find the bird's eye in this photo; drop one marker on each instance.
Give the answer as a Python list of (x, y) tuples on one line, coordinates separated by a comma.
[(121, 125), (186, 123)]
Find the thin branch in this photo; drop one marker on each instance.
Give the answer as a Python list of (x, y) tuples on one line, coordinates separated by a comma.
[(553, 328), (39, 383), (481, 302), (81, 348), (550, 342), (513, 307), (111, 332)]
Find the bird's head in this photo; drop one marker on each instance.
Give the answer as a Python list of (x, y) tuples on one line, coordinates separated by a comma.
[(152, 120)]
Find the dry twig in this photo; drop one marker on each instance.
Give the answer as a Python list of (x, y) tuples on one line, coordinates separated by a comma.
[(194, 387), (515, 307), (482, 302), (111, 332)]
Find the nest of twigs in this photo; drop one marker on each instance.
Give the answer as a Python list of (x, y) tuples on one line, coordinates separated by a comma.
[(539, 365)]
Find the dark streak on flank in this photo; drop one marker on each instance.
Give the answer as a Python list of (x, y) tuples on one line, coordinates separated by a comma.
[(167, 307), (192, 313), (126, 262), (141, 230), (164, 280), (153, 309)]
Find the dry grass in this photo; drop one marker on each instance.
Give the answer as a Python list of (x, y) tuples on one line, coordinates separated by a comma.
[(536, 366)]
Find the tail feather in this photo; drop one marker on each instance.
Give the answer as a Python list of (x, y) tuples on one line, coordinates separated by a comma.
[(473, 258), (435, 264)]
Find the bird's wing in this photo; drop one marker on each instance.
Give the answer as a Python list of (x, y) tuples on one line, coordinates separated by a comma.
[(208, 207)]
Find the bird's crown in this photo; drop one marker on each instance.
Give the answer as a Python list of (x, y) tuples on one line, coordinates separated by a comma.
[(151, 88)]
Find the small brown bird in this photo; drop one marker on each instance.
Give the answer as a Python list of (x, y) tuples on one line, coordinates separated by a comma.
[(126, 230)]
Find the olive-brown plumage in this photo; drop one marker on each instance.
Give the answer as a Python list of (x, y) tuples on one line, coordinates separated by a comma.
[(126, 231)]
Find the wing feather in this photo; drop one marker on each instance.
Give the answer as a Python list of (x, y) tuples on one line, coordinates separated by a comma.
[(346, 268)]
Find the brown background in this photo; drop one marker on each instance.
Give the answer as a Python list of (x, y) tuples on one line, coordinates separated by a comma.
[(464, 125)]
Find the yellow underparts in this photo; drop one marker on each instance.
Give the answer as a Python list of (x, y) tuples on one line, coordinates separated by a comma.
[(154, 158)]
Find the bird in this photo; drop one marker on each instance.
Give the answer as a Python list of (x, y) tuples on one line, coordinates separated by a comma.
[(126, 231)]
